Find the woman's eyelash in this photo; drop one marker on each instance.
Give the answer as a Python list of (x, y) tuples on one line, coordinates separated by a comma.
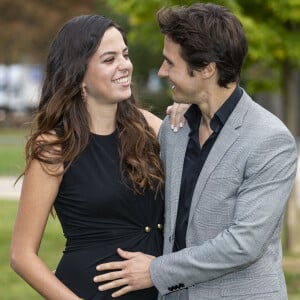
[(109, 59)]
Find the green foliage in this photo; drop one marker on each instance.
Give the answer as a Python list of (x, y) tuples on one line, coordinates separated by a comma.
[(28, 26), (275, 27), (272, 28)]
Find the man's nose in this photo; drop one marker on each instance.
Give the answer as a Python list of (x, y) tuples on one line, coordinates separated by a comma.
[(163, 72)]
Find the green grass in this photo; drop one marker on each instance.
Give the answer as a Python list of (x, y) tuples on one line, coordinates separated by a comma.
[(12, 160), (13, 287), (12, 157), (293, 280)]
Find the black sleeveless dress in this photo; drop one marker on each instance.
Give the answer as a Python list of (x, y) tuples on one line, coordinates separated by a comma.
[(98, 214)]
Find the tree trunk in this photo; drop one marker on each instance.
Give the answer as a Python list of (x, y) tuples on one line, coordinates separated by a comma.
[(290, 99)]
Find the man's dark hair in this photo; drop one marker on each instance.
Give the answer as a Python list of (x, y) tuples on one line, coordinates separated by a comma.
[(207, 33)]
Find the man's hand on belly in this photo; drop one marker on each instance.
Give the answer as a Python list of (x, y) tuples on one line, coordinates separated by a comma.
[(131, 274)]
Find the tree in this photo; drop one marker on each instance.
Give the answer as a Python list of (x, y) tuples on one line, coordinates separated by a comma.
[(272, 28), (279, 25), (27, 27)]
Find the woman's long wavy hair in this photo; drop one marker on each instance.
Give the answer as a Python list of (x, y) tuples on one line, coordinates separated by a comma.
[(63, 114)]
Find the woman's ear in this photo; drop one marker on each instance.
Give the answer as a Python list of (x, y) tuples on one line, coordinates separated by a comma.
[(83, 92)]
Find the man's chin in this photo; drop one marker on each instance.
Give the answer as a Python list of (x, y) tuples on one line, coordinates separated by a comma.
[(181, 101)]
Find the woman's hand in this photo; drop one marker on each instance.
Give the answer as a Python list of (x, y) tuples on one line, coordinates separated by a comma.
[(176, 112)]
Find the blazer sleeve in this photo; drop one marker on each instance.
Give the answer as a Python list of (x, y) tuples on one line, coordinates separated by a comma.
[(162, 133), (261, 199)]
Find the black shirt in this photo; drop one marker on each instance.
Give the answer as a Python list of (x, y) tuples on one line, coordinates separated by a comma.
[(195, 158)]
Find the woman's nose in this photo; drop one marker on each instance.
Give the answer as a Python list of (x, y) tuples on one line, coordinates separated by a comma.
[(124, 63)]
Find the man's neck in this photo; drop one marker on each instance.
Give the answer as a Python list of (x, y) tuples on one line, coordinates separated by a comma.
[(212, 100)]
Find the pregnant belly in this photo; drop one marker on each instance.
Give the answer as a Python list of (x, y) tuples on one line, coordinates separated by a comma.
[(77, 267)]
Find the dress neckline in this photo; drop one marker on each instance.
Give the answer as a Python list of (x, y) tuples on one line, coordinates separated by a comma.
[(114, 133)]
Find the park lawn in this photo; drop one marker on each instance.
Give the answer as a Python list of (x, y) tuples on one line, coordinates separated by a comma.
[(12, 160), (14, 288), (12, 151), (293, 280)]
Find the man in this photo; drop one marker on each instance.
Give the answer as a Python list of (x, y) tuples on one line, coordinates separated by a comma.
[(229, 173)]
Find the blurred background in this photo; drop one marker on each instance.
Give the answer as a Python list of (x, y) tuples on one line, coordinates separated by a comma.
[(271, 75)]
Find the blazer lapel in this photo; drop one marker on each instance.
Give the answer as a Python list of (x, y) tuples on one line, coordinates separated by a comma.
[(226, 138)]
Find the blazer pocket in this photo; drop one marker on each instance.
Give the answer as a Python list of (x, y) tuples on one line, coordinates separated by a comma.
[(251, 286)]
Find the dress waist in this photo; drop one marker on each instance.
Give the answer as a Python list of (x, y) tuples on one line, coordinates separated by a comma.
[(112, 236)]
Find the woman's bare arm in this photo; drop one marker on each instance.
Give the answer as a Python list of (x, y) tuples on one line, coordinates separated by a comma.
[(38, 193)]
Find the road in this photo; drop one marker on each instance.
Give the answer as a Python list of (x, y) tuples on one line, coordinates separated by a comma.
[(8, 189)]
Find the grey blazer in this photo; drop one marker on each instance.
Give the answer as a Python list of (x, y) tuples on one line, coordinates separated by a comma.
[(233, 234)]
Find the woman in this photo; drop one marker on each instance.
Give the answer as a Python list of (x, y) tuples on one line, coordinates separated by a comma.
[(94, 156)]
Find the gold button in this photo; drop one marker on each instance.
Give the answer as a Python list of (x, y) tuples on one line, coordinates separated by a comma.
[(147, 229), (159, 226)]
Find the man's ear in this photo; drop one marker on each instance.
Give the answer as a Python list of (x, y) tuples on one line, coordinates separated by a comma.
[(209, 70)]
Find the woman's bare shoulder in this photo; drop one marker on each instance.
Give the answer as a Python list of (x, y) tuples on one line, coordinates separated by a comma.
[(153, 120)]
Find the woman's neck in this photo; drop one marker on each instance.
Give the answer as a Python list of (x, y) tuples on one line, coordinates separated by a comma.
[(103, 119)]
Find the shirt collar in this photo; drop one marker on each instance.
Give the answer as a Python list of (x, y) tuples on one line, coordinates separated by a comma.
[(193, 114), (228, 106)]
